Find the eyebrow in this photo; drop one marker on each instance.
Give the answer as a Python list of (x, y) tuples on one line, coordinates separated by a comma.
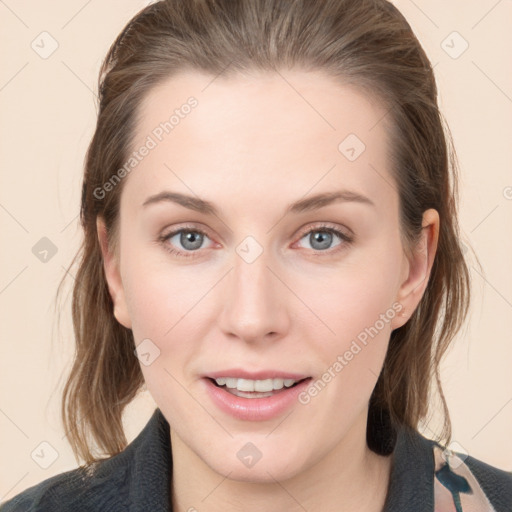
[(303, 205)]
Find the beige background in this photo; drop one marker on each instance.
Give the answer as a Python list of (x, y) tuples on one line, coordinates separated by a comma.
[(48, 114)]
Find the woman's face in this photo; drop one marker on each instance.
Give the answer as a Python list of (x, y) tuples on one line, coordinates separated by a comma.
[(253, 284)]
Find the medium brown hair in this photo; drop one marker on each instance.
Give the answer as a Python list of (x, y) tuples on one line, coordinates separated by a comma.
[(367, 43)]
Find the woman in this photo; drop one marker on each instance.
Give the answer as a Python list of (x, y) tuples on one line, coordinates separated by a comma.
[(271, 247)]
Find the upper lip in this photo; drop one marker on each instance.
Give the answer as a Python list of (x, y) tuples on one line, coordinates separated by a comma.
[(259, 375)]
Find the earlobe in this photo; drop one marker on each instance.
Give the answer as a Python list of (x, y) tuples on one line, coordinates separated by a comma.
[(113, 276), (418, 268)]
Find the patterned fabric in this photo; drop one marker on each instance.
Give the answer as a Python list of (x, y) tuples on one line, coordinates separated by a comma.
[(455, 487)]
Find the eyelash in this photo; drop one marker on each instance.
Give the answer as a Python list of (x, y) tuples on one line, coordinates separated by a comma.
[(347, 240)]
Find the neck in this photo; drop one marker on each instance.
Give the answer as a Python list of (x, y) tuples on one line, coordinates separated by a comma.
[(349, 478)]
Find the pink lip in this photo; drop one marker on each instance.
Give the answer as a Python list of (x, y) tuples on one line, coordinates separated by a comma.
[(254, 409), (260, 375)]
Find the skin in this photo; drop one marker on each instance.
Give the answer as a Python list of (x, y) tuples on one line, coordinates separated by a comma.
[(252, 146)]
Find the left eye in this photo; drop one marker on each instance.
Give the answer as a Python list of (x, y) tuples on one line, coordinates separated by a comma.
[(321, 239)]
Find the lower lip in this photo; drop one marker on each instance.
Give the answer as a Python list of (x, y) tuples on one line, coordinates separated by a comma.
[(254, 409)]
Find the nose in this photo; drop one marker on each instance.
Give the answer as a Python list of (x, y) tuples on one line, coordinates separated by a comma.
[(255, 301)]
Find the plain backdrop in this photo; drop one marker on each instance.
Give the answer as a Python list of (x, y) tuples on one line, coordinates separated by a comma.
[(50, 61)]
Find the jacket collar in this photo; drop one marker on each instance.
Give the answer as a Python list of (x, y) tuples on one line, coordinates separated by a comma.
[(144, 467)]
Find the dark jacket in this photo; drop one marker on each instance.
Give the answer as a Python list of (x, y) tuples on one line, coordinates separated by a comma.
[(138, 479)]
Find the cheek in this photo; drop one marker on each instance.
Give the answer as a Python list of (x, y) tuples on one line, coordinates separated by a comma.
[(173, 309), (169, 314), (353, 300), (159, 298), (351, 361), (356, 308)]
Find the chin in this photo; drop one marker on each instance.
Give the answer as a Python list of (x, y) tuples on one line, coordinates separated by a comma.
[(248, 464), (261, 473)]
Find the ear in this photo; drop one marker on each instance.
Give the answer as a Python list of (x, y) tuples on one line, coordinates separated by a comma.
[(417, 268), (113, 275)]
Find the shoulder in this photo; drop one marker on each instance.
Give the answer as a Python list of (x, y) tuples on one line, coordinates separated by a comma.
[(86, 488), (476, 484), (138, 475), (496, 483), (422, 479)]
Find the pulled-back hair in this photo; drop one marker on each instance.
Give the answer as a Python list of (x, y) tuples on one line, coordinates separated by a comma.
[(366, 43)]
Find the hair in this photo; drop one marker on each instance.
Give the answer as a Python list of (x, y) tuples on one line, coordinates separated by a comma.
[(365, 43)]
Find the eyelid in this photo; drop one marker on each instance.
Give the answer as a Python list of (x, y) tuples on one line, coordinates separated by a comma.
[(328, 226), (185, 227)]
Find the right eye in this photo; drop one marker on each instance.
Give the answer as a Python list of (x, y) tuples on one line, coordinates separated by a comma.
[(190, 239)]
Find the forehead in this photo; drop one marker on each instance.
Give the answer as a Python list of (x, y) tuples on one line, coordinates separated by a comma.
[(293, 128)]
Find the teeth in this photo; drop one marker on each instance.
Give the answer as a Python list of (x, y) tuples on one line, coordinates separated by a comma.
[(255, 385)]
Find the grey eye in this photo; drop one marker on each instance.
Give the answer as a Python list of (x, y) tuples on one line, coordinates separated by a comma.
[(320, 239), (189, 240)]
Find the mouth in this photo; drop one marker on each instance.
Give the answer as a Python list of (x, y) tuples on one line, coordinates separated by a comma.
[(255, 400), (248, 388)]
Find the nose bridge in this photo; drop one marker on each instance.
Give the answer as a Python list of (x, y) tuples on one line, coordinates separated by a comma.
[(253, 306)]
